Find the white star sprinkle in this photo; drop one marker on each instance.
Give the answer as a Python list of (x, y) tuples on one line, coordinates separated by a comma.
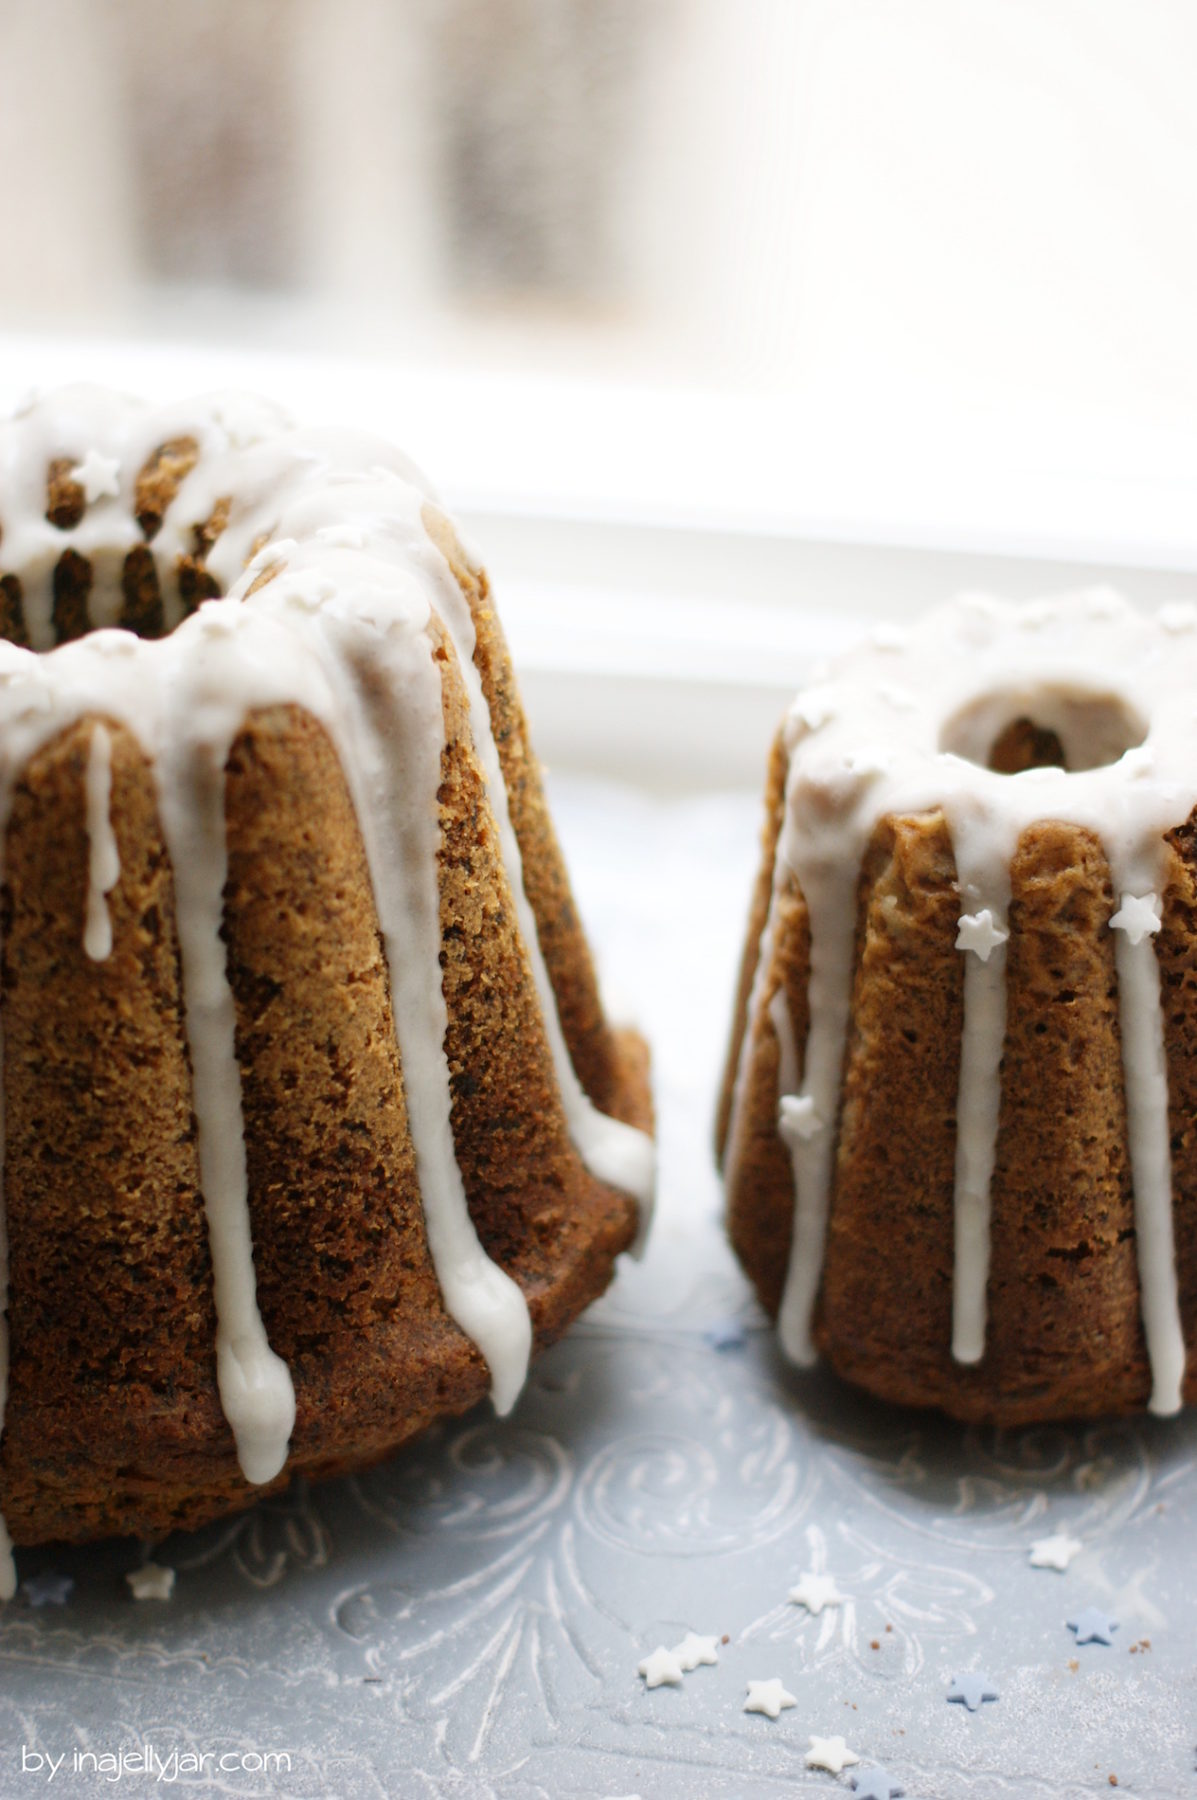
[(815, 1592), (661, 1668), (980, 933), (768, 1697), (830, 1753), (342, 537), (151, 1582), (220, 618), (797, 1118), (813, 709), (1180, 616), (694, 1650), (98, 476), (900, 698), (1138, 916), (1055, 1552), (869, 760)]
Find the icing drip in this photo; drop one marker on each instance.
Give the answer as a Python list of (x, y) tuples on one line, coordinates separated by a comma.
[(832, 927), (1149, 1133), (983, 877), (391, 738), (1107, 685), (977, 1107), (255, 1385), (103, 863)]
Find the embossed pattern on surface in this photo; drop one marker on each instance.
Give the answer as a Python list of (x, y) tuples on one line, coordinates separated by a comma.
[(467, 1620)]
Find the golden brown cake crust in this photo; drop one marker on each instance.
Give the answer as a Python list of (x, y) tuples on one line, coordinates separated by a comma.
[(1064, 1336), (563, 942), (113, 1421), (758, 912)]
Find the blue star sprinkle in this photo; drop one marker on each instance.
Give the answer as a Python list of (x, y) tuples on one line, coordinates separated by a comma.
[(971, 1689), (726, 1334), (48, 1589), (876, 1784), (1093, 1626)]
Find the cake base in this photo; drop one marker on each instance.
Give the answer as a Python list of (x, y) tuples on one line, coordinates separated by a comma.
[(351, 1415)]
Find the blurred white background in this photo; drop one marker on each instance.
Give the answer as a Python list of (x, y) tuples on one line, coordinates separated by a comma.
[(745, 321)]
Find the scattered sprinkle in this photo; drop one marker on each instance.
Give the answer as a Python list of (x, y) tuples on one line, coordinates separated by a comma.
[(1138, 761), (797, 1118), (661, 1668), (815, 1592), (971, 1690), (768, 1697), (870, 760), (1138, 916), (1181, 615), (98, 476), (1093, 1626), (813, 709), (876, 1784), (48, 1589), (151, 1582), (980, 933), (694, 1650), (342, 537), (726, 1334), (1055, 1552), (218, 619), (830, 1753)]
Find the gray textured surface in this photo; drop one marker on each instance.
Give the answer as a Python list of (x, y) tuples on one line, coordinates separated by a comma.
[(467, 1620)]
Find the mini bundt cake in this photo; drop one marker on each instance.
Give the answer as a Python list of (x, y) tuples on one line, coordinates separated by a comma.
[(959, 1118), (313, 1127)]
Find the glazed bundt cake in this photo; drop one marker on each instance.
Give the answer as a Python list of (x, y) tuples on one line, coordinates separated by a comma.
[(313, 1127), (959, 1118)]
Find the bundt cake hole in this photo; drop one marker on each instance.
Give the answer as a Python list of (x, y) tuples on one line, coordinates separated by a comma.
[(82, 585), (1056, 726)]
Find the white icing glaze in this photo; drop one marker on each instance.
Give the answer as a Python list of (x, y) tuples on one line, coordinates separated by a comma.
[(343, 627), (1103, 677), (103, 861)]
